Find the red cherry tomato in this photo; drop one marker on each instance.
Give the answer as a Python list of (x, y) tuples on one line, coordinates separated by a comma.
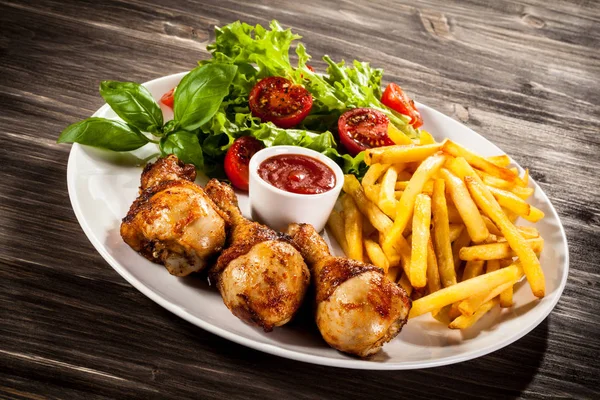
[(238, 158), (168, 98), (278, 100), (395, 98), (363, 128)]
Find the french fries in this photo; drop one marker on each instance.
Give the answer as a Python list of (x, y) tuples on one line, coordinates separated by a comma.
[(400, 154), (407, 202), (387, 200), (462, 241), (397, 135), (464, 322), (378, 219), (441, 234), (428, 209), (477, 161), (353, 226), (462, 290), (335, 223), (466, 207), (376, 255), (496, 251), (472, 269), (501, 161), (420, 239), (511, 201), (433, 274), (455, 231), (426, 138), (531, 264)]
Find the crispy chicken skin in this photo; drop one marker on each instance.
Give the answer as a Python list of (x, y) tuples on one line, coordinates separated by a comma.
[(173, 222), (168, 168), (358, 309), (261, 276)]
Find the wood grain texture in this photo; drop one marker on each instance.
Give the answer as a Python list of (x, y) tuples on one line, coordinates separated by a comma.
[(522, 73)]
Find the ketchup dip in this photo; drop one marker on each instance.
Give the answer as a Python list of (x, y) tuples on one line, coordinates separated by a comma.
[(297, 173)]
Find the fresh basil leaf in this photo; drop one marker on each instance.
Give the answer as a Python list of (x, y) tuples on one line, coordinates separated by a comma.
[(170, 126), (104, 133), (200, 93), (134, 104), (185, 146)]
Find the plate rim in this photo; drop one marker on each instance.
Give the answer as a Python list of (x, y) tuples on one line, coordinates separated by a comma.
[(350, 363)]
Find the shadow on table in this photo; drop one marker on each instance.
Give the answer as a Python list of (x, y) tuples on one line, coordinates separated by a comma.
[(503, 374)]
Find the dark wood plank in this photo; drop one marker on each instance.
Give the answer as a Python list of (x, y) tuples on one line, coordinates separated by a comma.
[(522, 73)]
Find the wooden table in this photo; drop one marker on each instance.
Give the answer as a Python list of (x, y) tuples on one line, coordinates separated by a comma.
[(522, 73)]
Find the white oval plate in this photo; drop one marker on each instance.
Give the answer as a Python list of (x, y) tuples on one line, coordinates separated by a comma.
[(102, 186)]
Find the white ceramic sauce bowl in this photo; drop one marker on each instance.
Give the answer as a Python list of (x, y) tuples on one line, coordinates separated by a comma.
[(278, 208)]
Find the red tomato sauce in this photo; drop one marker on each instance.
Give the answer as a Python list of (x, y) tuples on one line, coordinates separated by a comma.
[(296, 173)]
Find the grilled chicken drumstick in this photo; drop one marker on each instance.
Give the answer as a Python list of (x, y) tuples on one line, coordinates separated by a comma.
[(358, 309), (173, 222), (261, 276)]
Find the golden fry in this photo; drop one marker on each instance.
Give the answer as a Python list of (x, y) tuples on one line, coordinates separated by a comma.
[(441, 234), (506, 297), (462, 290), (455, 231), (427, 188), (531, 264), (466, 207), (406, 203), (404, 282), (522, 192), (433, 274), (494, 181), (464, 322), (463, 241), (420, 238), (400, 153), (528, 232), (378, 219), (472, 269), (470, 305), (387, 201), (373, 174), (491, 227), (426, 138), (535, 214), (376, 255), (453, 311), (477, 161), (492, 265), (368, 229), (372, 192), (335, 223), (501, 161), (496, 251), (510, 201), (397, 135), (453, 215), (393, 273), (353, 224)]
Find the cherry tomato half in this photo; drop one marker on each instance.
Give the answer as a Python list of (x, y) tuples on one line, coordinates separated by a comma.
[(395, 98), (363, 128), (168, 98), (238, 158), (278, 100)]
